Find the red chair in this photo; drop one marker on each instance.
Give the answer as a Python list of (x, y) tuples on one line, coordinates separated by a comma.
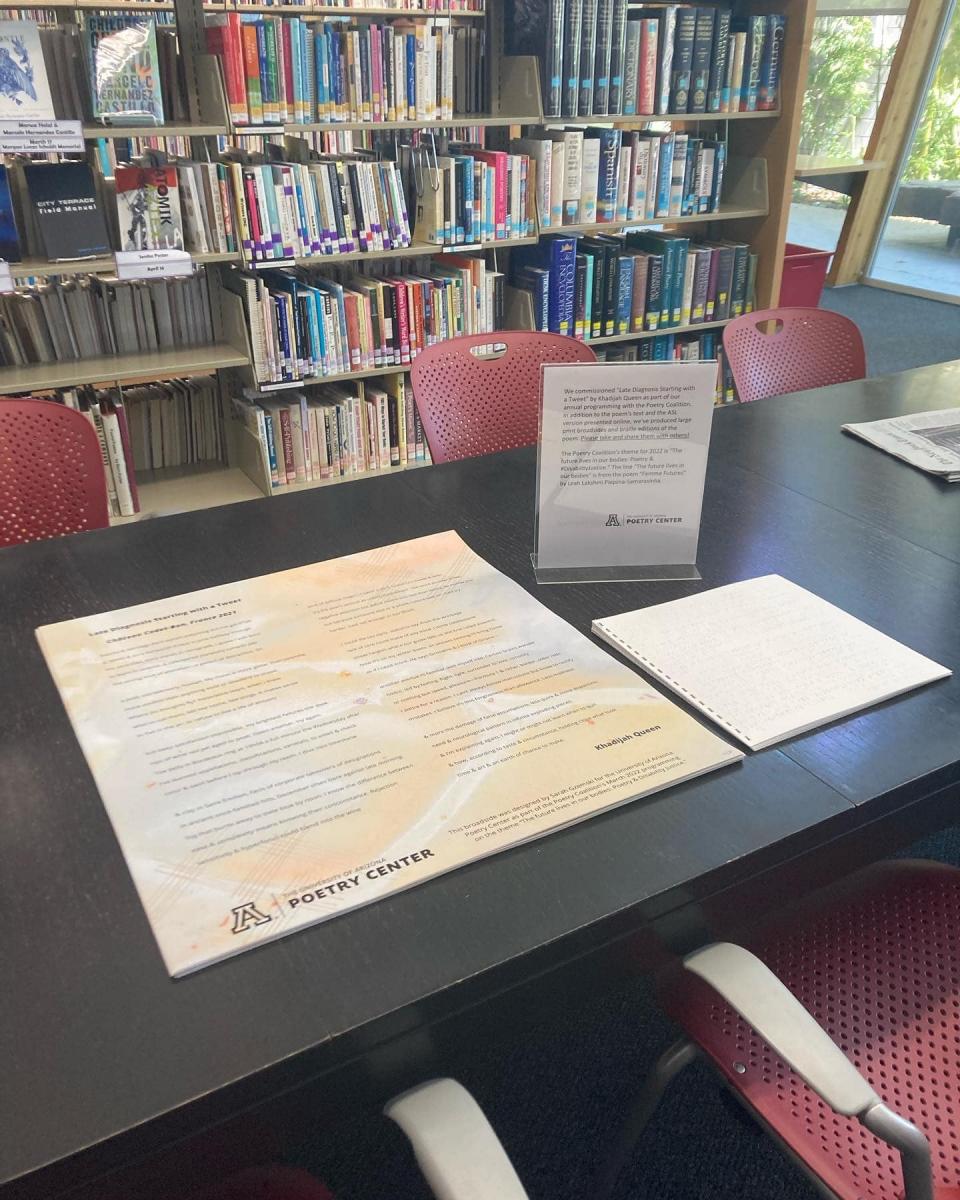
[(480, 394), (800, 348), (51, 472), (849, 1004)]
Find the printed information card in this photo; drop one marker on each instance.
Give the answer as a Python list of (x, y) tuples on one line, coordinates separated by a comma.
[(623, 457), (277, 751)]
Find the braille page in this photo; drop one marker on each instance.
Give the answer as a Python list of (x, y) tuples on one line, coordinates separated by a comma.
[(766, 659), (280, 750)]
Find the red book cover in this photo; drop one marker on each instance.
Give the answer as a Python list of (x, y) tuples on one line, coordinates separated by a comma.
[(353, 328), (403, 325), (415, 307), (497, 160), (251, 72), (253, 213), (647, 82)]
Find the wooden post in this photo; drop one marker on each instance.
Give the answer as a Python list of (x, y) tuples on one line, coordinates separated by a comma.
[(902, 95)]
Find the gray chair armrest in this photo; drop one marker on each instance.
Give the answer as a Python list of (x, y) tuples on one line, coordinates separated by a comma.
[(752, 989), (460, 1155), (749, 986)]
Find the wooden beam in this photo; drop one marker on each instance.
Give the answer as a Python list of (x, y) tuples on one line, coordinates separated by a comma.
[(901, 96)]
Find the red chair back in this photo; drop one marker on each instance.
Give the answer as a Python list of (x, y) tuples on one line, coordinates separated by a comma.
[(805, 348), (474, 404), (51, 472)]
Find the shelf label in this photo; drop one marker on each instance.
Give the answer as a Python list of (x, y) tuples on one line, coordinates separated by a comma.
[(33, 136), (153, 264), (6, 277)]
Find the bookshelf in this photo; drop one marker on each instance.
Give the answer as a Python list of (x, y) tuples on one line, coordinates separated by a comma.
[(753, 209)]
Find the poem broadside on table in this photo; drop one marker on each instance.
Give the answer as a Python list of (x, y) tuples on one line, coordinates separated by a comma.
[(277, 751)]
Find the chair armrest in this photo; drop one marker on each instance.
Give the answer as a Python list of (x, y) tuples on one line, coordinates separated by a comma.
[(750, 987), (460, 1155)]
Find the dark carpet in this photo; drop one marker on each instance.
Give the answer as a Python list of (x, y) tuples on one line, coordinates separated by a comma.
[(899, 332), (557, 1095)]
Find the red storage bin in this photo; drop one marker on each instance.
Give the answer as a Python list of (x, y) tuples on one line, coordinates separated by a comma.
[(804, 274)]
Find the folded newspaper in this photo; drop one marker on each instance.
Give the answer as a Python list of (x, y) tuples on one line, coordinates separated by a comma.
[(928, 440)]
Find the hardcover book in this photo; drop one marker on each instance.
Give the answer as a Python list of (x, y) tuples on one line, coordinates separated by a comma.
[(124, 70), (67, 209), (9, 239), (24, 91), (148, 207)]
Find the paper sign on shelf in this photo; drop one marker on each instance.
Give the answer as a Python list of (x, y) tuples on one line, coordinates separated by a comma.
[(6, 277), (41, 136), (621, 467), (153, 264)]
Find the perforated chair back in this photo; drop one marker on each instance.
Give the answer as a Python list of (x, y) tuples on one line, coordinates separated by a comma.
[(472, 402), (802, 348), (51, 472), (878, 966)]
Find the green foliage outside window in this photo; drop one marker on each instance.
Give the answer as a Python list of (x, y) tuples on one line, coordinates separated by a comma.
[(846, 75), (936, 147)]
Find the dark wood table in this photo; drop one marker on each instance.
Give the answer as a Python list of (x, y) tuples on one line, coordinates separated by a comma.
[(105, 1059)]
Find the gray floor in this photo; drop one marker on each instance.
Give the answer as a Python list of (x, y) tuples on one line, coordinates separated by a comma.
[(912, 252), (899, 332)]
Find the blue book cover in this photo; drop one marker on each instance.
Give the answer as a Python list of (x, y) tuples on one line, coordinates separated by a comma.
[(562, 260), (537, 281), (717, 94), (624, 292), (9, 240), (266, 88), (718, 167), (588, 306), (319, 69), (768, 93), (412, 72), (753, 57), (271, 451), (708, 345), (682, 68), (680, 253), (608, 178), (283, 332), (664, 175), (688, 205)]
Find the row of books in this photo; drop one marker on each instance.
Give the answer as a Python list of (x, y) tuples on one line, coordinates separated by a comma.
[(109, 68), (423, 6), (284, 70), (335, 430), (475, 195), (599, 60), (86, 317), (679, 347), (641, 281), (167, 424), (305, 327), (605, 175)]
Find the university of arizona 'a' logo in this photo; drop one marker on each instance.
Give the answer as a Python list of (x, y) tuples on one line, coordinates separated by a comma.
[(613, 519), (16, 73), (245, 915)]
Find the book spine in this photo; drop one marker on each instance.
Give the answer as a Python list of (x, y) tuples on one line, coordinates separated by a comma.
[(666, 40), (682, 70), (572, 38), (609, 175), (639, 296), (753, 57), (647, 71), (631, 69), (588, 53), (624, 292), (601, 66), (718, 60), (664, 175), (618, 36), (768, 94), (654, 291), (702, 50)]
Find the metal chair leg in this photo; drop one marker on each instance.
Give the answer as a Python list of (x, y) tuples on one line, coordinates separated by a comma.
[(673, 1060)]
